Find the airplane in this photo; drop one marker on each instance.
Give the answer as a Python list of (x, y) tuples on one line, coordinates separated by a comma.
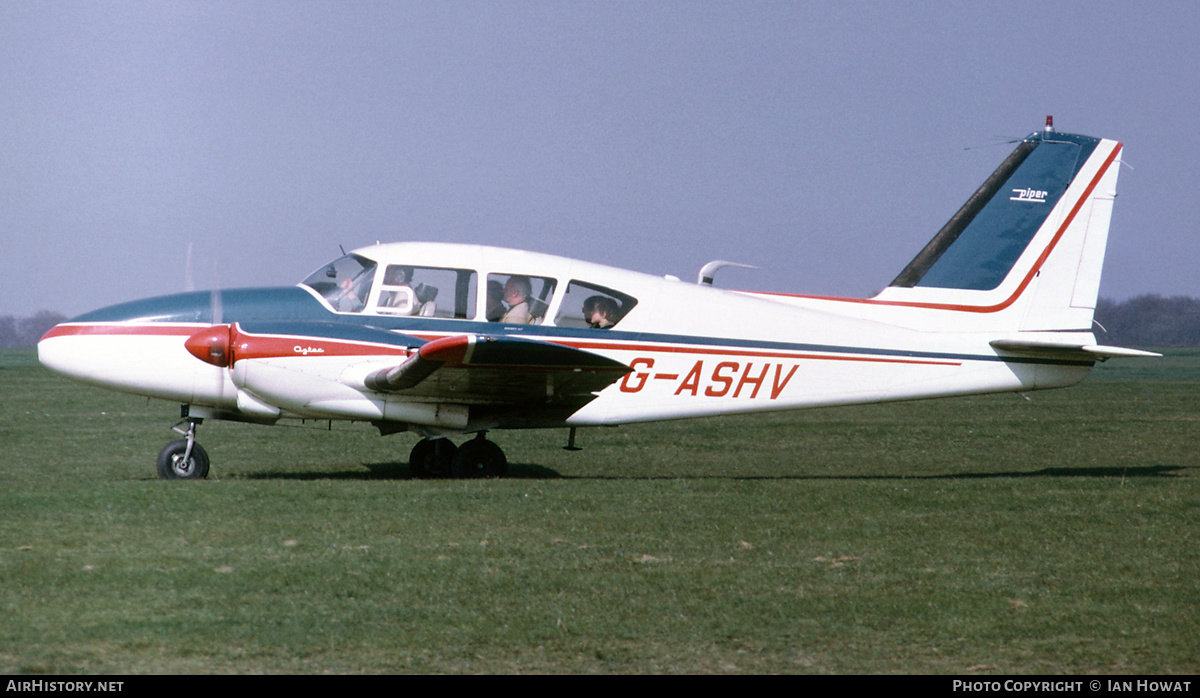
[(450, 340)]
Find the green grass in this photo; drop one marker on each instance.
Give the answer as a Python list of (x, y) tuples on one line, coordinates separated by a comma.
[(981, 535)]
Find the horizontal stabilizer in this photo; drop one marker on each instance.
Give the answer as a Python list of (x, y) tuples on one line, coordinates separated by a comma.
[(1067, 350)]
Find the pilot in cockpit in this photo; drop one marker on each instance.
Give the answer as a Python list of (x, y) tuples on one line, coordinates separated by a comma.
[(495, 301)]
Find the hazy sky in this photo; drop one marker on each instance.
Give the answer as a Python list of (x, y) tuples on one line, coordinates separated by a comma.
[(825, 142)]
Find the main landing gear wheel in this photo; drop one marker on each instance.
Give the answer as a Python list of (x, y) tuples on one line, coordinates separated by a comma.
[(175, 463), (431, 458), (479, 458)]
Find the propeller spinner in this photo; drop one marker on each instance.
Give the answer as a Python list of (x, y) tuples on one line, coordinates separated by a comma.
[(213, 345)]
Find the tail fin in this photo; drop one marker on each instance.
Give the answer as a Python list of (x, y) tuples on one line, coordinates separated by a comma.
[(1027, 248)]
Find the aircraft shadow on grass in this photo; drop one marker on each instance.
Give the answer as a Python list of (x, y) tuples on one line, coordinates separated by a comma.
[(1112, 472), (1136, 471), (398, 470), (532, 471)]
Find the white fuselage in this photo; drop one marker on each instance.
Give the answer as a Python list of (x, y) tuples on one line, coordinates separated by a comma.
[(692, 350)]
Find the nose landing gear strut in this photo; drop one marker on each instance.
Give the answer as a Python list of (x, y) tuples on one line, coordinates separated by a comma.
[(184, 459)]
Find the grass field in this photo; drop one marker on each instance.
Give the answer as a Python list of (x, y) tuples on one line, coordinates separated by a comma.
[(986, 535)]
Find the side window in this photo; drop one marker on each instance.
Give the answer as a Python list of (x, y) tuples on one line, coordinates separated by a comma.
[(589, 305), (427, 292), (518, 299)]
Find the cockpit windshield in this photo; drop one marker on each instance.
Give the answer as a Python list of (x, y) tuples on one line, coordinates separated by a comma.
[(344, 282)]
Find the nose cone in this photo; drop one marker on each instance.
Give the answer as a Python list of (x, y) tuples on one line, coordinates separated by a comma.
[(50, 356), (212, 345)]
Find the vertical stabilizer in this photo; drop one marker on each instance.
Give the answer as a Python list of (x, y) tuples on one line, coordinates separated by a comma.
[(1028, 247)]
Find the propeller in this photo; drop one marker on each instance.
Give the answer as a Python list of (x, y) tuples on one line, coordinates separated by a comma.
[(189, 281), (213, 344), (216, 317)]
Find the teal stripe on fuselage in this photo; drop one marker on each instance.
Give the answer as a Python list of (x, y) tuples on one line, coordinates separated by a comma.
[(293, 311), (233, 305)]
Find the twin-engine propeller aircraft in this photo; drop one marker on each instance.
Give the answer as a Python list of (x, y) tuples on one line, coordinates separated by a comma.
[(447, 339)]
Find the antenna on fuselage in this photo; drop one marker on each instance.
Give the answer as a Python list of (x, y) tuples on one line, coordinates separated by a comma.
[(708, 271)]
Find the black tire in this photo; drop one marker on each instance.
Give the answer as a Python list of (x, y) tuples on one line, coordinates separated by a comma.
[(171, 465), (431, 458), (479, 458)]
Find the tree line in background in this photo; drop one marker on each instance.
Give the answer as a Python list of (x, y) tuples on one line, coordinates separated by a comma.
[(26, 331), (1145, 321), (1149, 321)]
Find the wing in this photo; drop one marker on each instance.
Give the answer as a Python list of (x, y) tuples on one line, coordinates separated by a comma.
[(484, 369)]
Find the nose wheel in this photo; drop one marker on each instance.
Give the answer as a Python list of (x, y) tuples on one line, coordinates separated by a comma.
[(183, 459)]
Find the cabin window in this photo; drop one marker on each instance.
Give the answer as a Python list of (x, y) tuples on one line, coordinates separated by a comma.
[(589, 305), (427, 292), (518, 299), (345, 282)]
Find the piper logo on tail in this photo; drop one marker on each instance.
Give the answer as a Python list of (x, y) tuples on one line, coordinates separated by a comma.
[(1034, 195)]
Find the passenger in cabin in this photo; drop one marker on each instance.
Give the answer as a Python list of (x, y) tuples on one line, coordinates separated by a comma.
[(399, 297), (516, 294), (495, 301), (600, 312)]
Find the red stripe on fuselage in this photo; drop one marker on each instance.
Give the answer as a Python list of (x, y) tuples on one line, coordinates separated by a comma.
[(253, 346), (160, 329), (248, 346), (659, 348)]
